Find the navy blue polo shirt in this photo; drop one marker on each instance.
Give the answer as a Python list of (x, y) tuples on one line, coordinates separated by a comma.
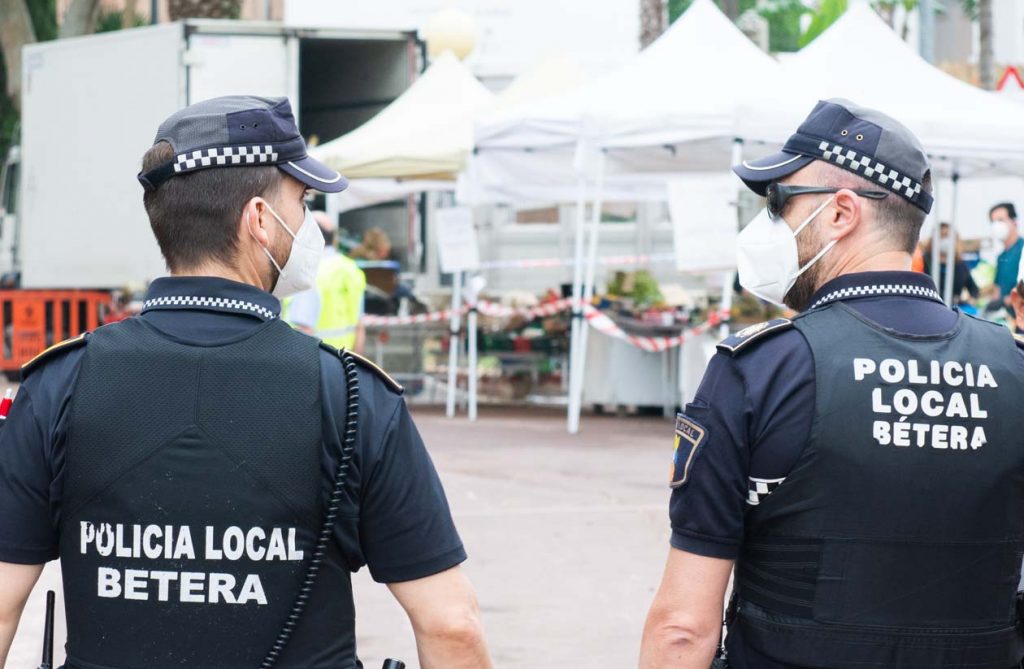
[(395, 518), (757, 410)]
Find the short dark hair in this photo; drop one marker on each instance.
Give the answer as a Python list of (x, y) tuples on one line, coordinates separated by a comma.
[(194, 216), (1011, 211), (901, 220)]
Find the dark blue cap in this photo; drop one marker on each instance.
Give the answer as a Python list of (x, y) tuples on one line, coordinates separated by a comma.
[(239, 131), (863, 141)]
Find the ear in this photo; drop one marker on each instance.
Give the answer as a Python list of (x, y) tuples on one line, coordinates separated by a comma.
[(847, 214), (252, 224)]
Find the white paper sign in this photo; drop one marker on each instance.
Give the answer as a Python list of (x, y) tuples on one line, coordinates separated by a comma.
[(456, 239), (703, 212)]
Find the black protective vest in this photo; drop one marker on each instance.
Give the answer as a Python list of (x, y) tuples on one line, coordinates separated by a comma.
[(896, 540), (193, 494)]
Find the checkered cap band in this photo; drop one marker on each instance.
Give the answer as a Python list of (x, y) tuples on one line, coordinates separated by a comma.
[(218, 303), (867, 166), (227, 155), (758, 489), (879, 290), (870, 168)]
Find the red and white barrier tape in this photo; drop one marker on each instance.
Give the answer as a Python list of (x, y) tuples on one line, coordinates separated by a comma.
[(605, 325), (534, 263), (416, 319), (597, 319)]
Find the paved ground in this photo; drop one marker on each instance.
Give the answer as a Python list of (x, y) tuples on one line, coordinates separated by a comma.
[(566, 535)]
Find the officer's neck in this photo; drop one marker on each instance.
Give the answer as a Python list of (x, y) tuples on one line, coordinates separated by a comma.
[(886, 261), (244, 274)]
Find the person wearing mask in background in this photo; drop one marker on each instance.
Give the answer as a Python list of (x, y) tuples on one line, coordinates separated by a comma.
[(332, 309), (1004, 231), (962, 279)]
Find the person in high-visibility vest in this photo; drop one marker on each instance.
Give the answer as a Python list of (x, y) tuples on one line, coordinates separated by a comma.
[(332, 309)]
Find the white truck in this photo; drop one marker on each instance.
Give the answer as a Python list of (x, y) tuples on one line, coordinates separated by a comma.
[(72, 215)]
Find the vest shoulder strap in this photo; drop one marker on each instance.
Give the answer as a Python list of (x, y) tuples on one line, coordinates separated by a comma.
[(745, 338), (369, 366), (55, 350)]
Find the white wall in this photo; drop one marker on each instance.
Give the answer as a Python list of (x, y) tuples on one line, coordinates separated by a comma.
[(514, 34), (1008, 31)]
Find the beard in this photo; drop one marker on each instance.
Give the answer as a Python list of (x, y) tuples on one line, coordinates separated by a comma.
[(281, 250), (799, 296)]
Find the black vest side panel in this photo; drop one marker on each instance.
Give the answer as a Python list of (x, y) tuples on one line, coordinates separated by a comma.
[(192, 499), (897, 538)]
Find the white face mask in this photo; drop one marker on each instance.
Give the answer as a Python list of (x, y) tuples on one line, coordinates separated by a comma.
[(1000, 231), (768, 258), (299, 272)]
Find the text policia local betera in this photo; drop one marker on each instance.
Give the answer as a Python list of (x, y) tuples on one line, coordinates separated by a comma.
[(938, 390), (172, 542)]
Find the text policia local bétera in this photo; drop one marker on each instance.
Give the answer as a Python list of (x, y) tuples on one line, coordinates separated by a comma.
[(178, 543), (927, 390)]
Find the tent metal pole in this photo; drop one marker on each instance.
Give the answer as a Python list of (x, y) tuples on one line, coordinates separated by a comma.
[(588, 292), (472, 378), (572, 416), (453, 344), (947, 289), (730, 277)]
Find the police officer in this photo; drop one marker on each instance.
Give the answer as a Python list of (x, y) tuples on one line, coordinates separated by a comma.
[(861, 466), (208, 476), (332, 307)]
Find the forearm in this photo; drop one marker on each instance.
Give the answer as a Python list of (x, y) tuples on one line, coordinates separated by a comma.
[(16, 582), (7, 630), (458, 645), (669, 646)]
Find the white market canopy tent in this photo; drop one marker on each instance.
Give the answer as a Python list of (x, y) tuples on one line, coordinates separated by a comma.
[(860, 58), (672, 108), (419, 142), (425, 133)]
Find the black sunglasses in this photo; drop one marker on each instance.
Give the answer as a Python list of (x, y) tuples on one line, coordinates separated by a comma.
[(778, 194)]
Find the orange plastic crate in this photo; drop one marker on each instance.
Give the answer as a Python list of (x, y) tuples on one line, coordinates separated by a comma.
[(34, 320)]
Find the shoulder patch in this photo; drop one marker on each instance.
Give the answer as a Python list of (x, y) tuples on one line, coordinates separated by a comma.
[(689, 436), (363, 362), (65, 345), (742, 339)]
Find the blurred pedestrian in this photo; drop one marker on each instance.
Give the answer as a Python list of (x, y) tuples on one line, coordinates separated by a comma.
[(962, 279), (332, 309), (1007, 237), (376, 246)]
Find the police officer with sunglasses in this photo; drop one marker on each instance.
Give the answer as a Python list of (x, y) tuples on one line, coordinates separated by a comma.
[(859, 469)]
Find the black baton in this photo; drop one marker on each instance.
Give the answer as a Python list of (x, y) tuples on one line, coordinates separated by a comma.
[(47, 662)]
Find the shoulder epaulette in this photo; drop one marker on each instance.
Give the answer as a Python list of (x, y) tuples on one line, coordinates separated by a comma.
[(748, 335), (59, 347), (363, 362)]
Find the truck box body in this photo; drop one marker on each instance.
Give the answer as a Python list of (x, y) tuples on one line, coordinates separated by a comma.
[(91, 107)]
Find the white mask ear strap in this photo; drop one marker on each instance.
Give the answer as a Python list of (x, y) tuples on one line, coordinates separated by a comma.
[(274, 214), (813, 215), (826, 249), (265, 251)]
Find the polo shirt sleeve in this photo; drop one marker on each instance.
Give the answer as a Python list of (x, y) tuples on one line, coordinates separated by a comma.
[(394, 515), (405, 528), (711, 463), (754, 414), (27, 533)]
